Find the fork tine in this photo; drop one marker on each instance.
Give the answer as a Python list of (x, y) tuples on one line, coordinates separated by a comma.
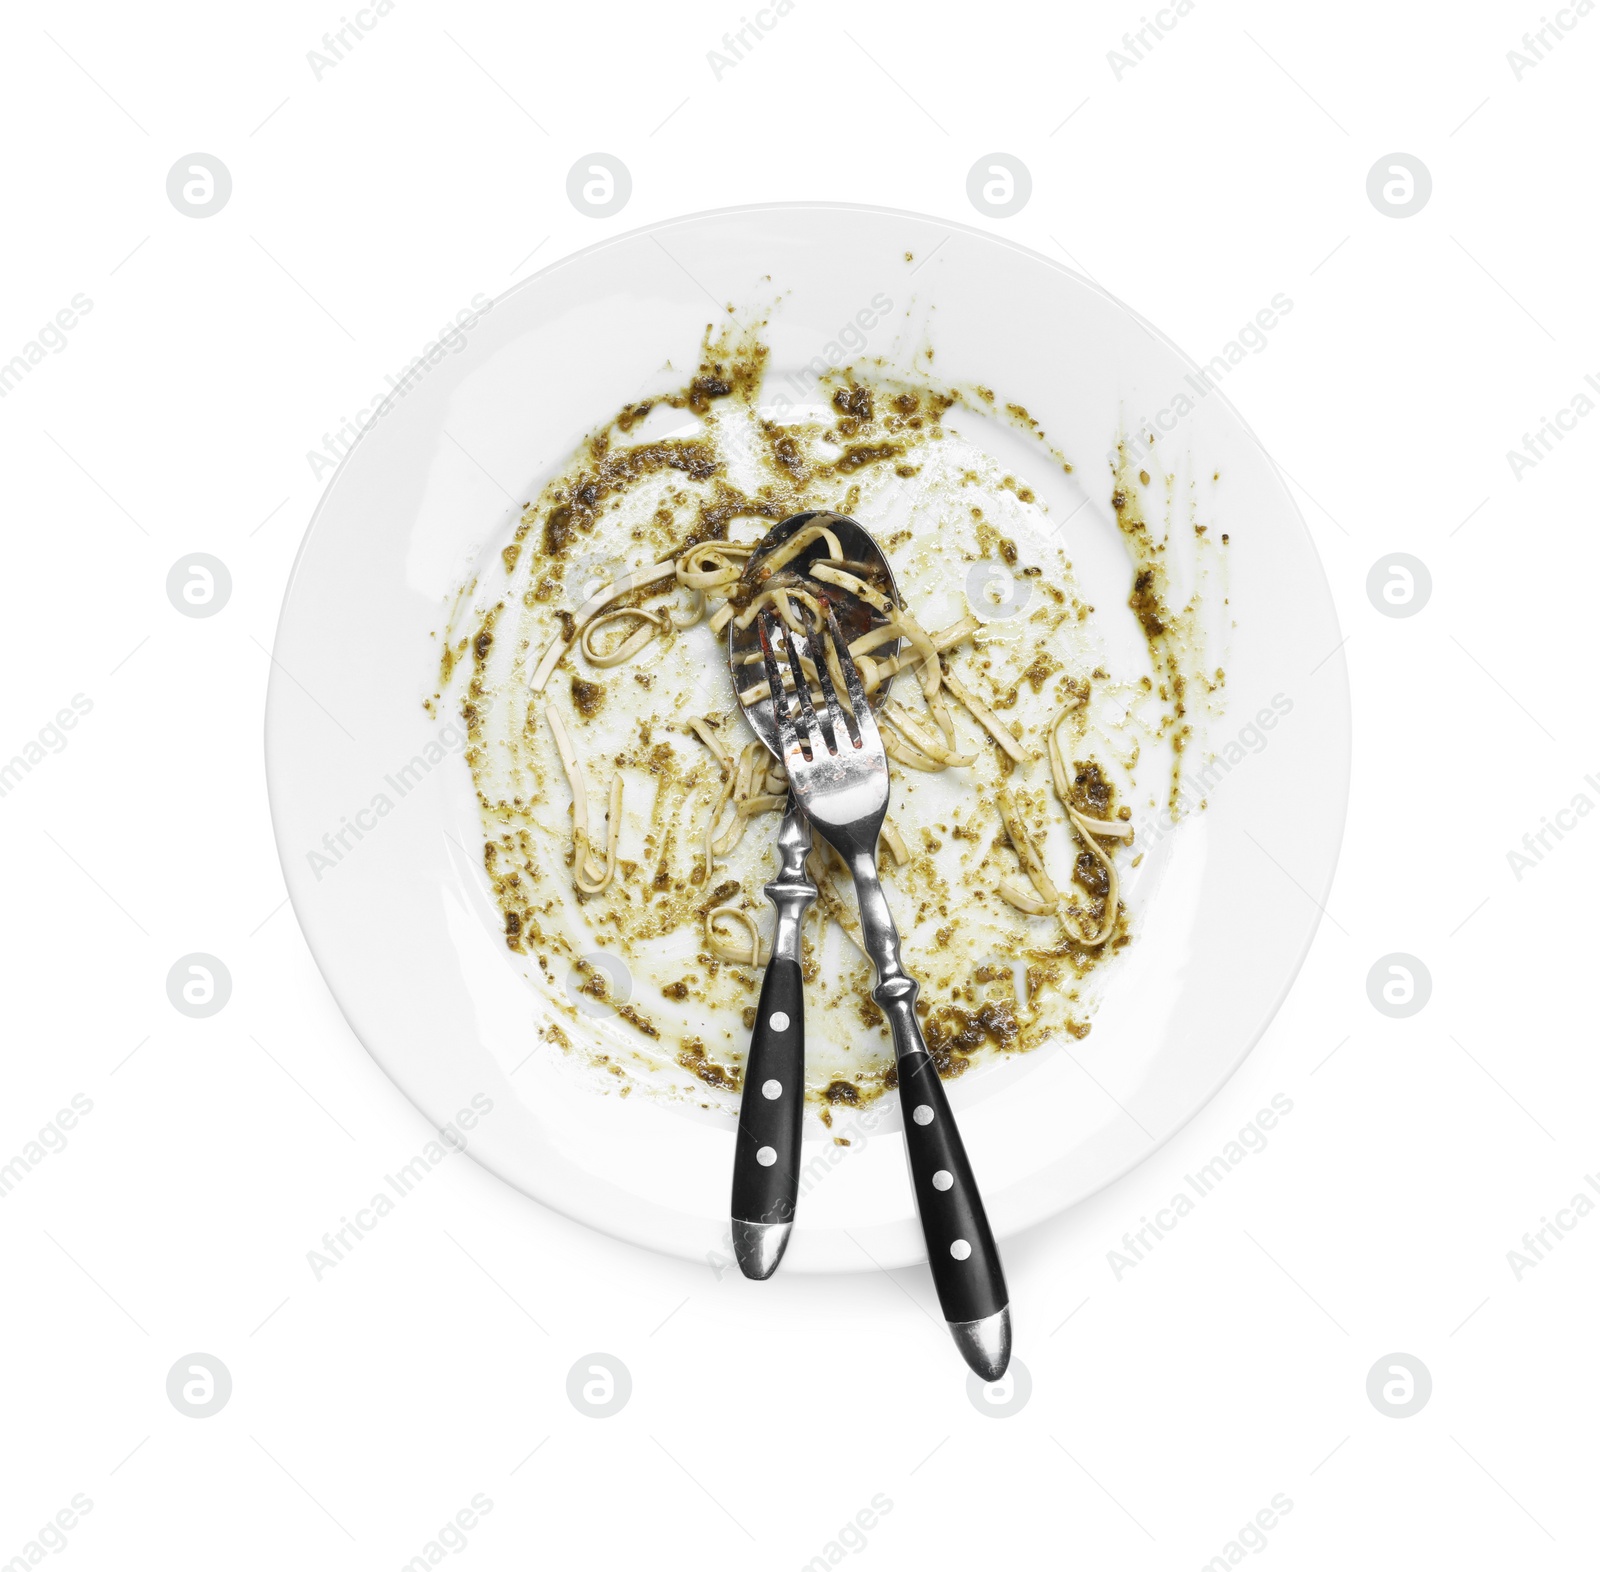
[(806, 720), (816, 647), (866, 726), (788, 741)]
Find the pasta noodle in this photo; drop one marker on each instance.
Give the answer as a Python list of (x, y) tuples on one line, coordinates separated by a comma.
[(1044, 899), (755, 952), (626, 648), (591, 877)]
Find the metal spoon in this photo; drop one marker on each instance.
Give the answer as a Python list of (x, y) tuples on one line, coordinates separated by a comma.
[(842, 784), (863, 557), (766, 1165)]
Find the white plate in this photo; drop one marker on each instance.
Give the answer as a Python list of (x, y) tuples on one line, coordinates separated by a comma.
[(382, 866)]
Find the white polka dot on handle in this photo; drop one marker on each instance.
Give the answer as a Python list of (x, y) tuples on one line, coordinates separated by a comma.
[(772, 1090), (766, 1156), (922, 1113), (961, 1249), (778, 1021), (942, 1180)]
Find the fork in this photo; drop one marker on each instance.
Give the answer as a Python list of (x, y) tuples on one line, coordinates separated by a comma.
[(840, 777)]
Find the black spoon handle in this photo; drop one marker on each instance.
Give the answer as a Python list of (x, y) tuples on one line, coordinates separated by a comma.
[(766, 1156), (766, 1164)]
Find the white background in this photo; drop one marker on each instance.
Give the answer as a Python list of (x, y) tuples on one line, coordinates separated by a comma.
[(1167, 1407)]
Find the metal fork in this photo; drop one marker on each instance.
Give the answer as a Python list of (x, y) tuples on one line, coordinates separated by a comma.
[(839, 775)]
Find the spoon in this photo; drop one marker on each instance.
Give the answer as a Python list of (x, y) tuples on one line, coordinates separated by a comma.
[(766, 1164), (838, 779)]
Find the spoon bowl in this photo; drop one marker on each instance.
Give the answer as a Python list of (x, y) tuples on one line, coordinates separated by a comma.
[(862, 556)]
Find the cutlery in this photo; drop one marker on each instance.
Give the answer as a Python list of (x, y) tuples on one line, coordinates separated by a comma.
[(766, 1162), (839, 777)]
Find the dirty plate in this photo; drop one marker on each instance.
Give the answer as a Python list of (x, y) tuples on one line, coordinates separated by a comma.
[(372, 803)]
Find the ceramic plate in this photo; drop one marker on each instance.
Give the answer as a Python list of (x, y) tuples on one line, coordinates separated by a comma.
[(372, 802)]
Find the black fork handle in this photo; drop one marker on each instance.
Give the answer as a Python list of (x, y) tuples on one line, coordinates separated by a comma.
[(962, 1254)]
